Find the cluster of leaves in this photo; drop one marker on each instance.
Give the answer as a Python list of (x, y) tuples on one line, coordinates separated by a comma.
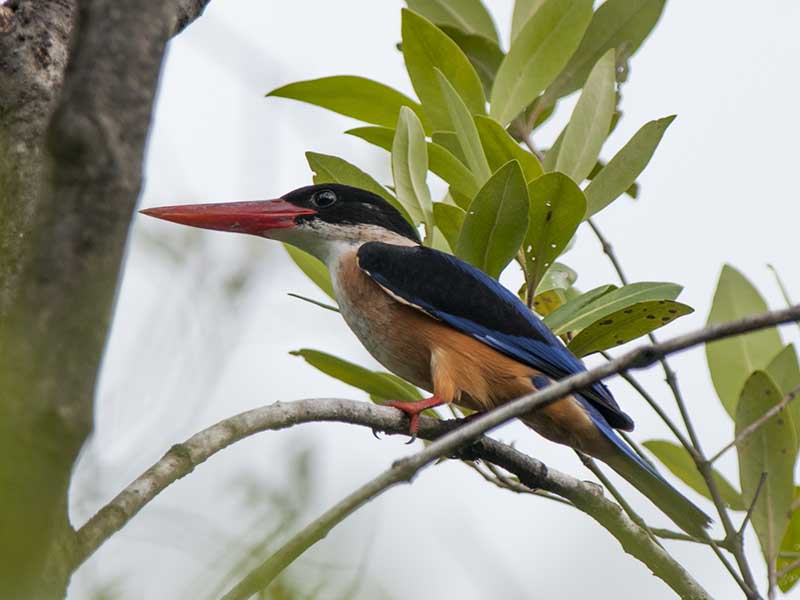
[(505, 202), (752, 374), (478, 108)]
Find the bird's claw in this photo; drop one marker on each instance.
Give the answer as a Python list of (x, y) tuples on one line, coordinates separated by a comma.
[(412, 411), (375, 433)]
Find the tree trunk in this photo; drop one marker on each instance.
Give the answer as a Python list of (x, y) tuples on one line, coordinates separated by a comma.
[(77, 86)]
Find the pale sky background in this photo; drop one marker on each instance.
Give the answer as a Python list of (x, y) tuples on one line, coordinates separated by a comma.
[(204, 326)]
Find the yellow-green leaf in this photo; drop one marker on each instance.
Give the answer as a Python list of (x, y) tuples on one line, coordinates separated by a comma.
[(314, 269), (680, 464), (732, 360), (620, 24), (352, 96), (500, 148), (523, 11), (441, 161), (622, 170), (537, 55), (426, 48), (556, 209), (469, 16), (496, 221), (484, 54), (378, 384), (770, 449), (449, 219), (626, 324), (465, 130), (590, 121), (410, 169), (580, 313), (575, 306)]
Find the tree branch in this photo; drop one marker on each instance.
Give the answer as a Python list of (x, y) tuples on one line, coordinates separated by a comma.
[(182, 458)]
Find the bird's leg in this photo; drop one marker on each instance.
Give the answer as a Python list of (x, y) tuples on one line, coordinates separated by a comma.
[(413, 409)]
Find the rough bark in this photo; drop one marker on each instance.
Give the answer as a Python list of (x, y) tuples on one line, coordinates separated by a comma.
[(76, 96)]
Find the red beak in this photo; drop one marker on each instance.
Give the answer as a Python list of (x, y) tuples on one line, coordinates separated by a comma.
[(241, 217)]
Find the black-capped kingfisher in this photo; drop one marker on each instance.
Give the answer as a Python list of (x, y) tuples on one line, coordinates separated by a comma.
[(441, 323)]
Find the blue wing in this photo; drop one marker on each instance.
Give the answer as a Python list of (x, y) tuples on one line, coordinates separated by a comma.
[(470, 301)]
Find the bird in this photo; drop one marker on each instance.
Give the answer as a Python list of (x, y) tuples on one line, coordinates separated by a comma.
[(441, 324)]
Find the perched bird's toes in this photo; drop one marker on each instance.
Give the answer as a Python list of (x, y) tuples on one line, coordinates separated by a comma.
[(376, 434)]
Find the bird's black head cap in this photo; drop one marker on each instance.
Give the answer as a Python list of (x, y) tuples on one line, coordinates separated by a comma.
[(345, 205)]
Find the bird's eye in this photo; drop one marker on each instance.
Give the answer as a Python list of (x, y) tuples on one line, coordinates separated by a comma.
[(323, 199)]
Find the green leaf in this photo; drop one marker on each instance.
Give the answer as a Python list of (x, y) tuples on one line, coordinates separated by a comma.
[(732, 360), (770, 449), (440, 160), (426, 48), (627, 324), (785, 372), (608, 302), (496, 221), (622, 170), (375, 383), (589, 125), (410, 169), (469, 16), (680, 464), (449, 220), (332, 169), (622, 24), (500, 148), (484, 54), (537, 55), (633, 189), (352, 96), (523, 11), (556, 209), (314, 269), (790, 543), (449, 141), (465, 129), (575, 306)]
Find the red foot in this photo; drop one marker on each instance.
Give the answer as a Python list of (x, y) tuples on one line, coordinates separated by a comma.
[(413, 409)]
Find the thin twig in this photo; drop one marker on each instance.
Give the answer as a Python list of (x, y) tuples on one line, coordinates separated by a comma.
[(592, 466), (755, 425), (673, 427), (608, 250), (503, 481), (752, 507), (669, 534)]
